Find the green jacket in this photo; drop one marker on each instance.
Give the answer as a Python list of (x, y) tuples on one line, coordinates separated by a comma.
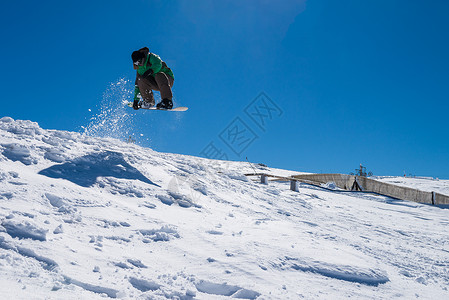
[(152, 65)]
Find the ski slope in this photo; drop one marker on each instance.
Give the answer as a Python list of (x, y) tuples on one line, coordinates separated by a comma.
[(94, 218)]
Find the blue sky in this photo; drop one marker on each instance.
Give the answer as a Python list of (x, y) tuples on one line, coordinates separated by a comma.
[(354, 81)]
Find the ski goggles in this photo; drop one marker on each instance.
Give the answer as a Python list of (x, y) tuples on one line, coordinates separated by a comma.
[(139, 62)]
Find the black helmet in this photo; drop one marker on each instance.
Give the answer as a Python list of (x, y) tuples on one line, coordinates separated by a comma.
[(137, 56)]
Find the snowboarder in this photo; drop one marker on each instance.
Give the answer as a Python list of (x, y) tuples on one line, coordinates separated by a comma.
[(152, 74)]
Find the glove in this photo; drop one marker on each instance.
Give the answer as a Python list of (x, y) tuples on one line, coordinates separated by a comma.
[(136, 105)]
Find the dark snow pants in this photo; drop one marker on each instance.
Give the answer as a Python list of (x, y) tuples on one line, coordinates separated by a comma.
[(160, 82)]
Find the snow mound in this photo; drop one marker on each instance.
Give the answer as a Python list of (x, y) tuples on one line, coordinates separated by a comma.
[(24, 230), (341, 272), (225, 290), (144, 285), (164, 234)]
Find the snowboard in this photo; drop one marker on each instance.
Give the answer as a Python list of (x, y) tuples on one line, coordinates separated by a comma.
[(179, 108)]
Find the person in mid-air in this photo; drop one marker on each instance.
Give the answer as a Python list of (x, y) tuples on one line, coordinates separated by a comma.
[(152, 74)]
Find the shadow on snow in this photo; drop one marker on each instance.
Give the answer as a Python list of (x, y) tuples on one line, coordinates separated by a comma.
[(85, 170)]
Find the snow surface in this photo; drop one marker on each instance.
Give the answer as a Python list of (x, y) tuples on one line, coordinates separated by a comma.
[(90, 218)]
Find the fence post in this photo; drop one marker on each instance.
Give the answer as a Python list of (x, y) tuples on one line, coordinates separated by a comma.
[(264, 179), (294, 185), (433, 198)]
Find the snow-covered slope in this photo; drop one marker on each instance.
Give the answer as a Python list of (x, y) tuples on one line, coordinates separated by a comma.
[(87, 218)]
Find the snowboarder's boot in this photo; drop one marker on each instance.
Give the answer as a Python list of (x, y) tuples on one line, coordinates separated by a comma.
[(165, 104)]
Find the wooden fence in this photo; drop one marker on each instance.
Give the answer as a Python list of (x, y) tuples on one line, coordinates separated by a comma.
[(360, 183)]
